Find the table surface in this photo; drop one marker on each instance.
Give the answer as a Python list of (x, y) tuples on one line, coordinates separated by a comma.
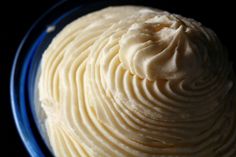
[(16, 20)]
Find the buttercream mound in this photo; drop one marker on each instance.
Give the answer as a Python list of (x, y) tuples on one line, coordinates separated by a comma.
[(138, 82)]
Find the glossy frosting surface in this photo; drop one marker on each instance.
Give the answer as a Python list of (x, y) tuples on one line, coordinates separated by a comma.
[(138, 82)]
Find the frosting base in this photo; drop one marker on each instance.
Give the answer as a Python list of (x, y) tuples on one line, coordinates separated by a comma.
[(138, 82)]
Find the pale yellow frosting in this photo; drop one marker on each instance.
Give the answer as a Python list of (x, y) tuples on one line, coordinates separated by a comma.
[(138, 82)]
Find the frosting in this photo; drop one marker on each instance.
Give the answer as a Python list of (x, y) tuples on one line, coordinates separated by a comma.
[(138, 82)]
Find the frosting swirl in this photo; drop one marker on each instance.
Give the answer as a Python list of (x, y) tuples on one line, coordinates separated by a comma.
[(138, 82)]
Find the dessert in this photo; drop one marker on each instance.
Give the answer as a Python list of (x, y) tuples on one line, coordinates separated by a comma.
[(133, 81)]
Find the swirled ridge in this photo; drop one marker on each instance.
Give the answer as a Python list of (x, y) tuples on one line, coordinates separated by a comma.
[(138, 82)]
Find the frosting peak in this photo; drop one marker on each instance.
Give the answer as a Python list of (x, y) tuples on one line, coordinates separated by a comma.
[(164, 47)]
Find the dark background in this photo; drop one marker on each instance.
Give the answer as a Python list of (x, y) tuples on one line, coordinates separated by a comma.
[(17, 17)]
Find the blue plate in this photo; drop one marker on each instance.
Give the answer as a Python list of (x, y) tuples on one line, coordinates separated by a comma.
[(23, 85)]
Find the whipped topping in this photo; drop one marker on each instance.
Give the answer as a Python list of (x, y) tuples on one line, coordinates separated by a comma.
[(138, 82)]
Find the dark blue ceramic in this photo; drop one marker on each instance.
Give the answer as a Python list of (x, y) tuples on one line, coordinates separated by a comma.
[(23, 83)]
